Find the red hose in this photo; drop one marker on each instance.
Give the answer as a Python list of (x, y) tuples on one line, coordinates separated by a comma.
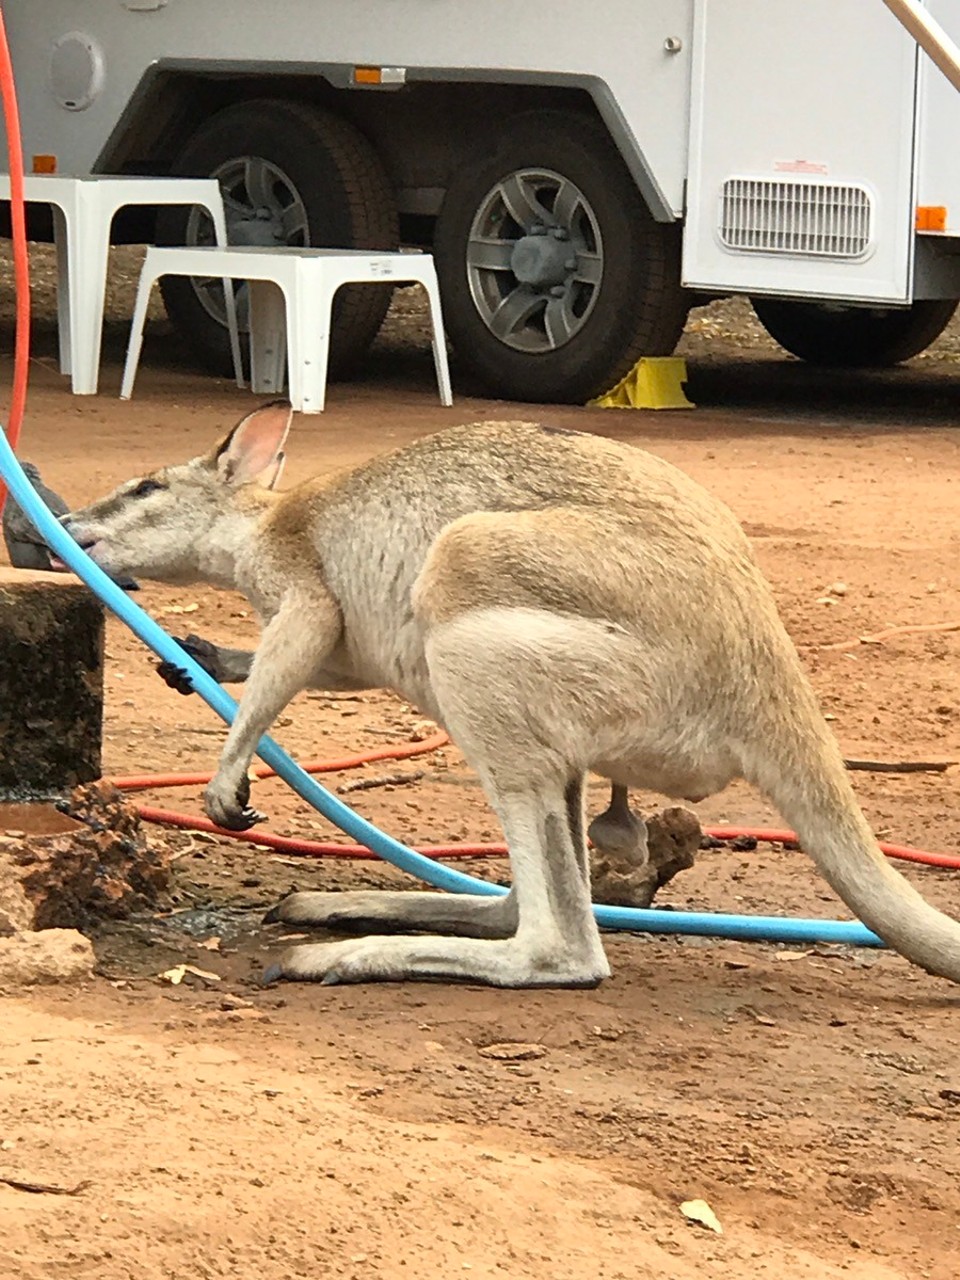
[(147, 781), (21, 262), (769, 835), (315, 848)]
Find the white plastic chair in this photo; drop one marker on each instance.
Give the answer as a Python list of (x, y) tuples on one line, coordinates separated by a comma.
[(291, 303), (83, 209)]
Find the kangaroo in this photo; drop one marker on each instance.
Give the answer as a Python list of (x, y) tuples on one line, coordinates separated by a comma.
[(560, 604)]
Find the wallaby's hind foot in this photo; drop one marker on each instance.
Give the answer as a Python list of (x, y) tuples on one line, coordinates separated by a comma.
[(499, 963), (379, 911)]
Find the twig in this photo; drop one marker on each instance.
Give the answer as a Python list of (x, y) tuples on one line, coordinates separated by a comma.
[(381, 780), (879, 637), (46, 1188), (901, 766)]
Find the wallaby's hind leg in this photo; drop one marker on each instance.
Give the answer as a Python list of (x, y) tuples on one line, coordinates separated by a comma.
[(538, 796), (556, 942), (469, 915)]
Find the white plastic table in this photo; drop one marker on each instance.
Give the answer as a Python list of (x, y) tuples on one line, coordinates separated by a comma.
[(291, 306), (83, 209)]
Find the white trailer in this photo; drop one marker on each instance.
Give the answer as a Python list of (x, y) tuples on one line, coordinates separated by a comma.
[(581, 174)]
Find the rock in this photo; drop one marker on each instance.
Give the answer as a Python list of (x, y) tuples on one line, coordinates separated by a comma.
[(97, 864), (16, 909), (51, 955), (672, 839), (51, 684)]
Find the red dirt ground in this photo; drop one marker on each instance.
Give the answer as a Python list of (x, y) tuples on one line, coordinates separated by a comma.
[(811, 1096)]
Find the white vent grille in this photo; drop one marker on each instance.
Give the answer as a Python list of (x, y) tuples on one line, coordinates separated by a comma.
[(817, 219)]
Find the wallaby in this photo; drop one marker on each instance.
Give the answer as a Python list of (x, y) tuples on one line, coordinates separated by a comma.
[(560, 603)]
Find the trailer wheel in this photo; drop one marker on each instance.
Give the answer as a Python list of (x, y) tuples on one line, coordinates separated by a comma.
[(555, 277), (853, 337), (291, 174)]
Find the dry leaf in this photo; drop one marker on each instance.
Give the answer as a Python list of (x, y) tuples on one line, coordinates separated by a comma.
[(512, 1052), (209, 944), (202, 973), (177, 974), (180, 608), (700, 1211)]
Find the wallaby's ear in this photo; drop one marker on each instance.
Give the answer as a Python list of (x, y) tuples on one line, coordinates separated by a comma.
[(271, 477), (253, 451)]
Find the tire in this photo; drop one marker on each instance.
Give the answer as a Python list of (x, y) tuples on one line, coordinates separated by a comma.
[(853, 337), (588, 302), (317, 181)]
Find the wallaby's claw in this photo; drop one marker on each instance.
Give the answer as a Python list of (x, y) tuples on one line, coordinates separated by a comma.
[(232, 812), (272, 973), (240, 819), (176, 677), (204, 655)]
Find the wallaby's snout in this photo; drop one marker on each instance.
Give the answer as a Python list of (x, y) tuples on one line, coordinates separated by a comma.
[(143, 527)]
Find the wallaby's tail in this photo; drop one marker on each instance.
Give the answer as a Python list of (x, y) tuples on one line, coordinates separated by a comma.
[(799, 766)]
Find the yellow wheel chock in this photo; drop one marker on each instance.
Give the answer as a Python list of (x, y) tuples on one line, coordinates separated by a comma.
[(654, 382)]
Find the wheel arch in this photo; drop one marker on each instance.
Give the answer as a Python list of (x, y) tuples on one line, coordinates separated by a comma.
[(433, 121)]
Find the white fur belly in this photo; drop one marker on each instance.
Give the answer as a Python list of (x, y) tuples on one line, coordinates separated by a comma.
[(386, 657)]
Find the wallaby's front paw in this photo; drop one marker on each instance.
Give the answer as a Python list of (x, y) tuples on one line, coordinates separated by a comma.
[(203, 653), (231, 810), (176, 677)]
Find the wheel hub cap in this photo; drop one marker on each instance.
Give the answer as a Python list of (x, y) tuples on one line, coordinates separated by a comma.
[(535, 260), (541, 261)]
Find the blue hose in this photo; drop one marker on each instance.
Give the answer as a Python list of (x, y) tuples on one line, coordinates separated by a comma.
[(633, 919)]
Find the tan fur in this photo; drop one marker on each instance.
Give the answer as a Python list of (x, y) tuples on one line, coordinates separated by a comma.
[(561, 604)]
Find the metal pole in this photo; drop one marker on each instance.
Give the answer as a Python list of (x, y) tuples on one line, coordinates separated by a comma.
[(929, 35)]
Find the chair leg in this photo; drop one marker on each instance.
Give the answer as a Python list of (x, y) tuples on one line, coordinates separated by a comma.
[(88, 247), (309, 341), (144, 288), (230, 302), (229, 297), (268, 337), (439, 341), (62, 243)]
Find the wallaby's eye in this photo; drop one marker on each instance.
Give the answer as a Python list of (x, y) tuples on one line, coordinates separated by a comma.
[(146, 486)]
